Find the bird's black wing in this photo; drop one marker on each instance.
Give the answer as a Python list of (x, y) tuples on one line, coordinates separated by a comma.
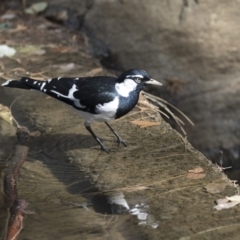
[(94, 91), (81, 93)]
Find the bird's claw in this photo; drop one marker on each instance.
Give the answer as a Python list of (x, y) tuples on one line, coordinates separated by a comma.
[(121, 141), (103, 148)]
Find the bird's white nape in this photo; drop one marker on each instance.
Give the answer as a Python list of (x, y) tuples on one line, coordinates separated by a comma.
[(125, 87)]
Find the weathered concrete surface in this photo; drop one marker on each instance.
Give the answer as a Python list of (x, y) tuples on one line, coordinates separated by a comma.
[(153, 169), (196, 41)]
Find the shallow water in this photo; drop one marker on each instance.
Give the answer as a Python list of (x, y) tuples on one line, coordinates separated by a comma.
[(65, 203)]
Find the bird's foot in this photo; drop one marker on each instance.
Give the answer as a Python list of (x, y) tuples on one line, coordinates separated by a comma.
[(121, 141), (103, 148)]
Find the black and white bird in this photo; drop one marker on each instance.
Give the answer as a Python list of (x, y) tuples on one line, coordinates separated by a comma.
[(96, 99)]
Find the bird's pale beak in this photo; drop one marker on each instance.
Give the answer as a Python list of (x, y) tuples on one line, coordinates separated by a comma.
[(153, 82)]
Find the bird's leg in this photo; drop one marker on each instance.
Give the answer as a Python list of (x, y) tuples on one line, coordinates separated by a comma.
[(119, 139), (96, 138)]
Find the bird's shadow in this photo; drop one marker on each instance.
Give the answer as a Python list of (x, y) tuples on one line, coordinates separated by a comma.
[(52, 151)]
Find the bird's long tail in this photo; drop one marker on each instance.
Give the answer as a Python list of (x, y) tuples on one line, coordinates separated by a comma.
[(25, 83)]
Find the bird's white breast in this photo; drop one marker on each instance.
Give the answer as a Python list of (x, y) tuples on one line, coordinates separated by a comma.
[(104, 112), (110, 107)]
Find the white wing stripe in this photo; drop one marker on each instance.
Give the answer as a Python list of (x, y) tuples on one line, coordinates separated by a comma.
[(70, 96)]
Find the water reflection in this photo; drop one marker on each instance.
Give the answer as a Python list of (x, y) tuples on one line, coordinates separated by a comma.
[(120, 205)]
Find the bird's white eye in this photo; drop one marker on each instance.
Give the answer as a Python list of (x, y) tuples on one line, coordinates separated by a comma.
[(137, 80)]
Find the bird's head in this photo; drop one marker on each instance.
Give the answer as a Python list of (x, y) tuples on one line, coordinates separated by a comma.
[(139, 77), (133, 80)]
